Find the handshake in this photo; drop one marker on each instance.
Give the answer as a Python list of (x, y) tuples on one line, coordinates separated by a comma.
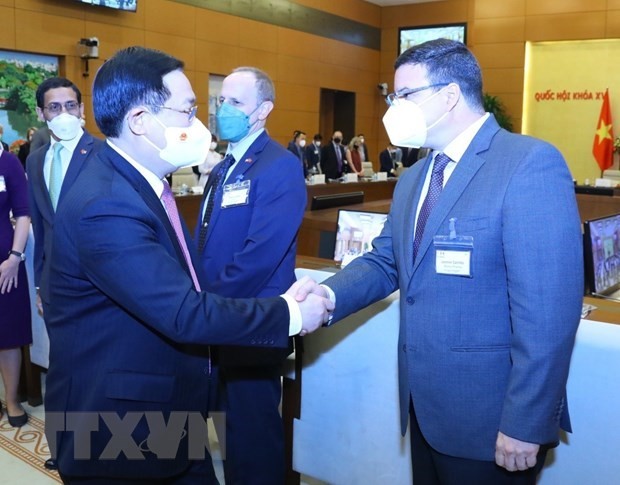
[(314, 304)]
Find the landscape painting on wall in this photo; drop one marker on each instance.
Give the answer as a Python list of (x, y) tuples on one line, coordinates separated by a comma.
[(20, 74)]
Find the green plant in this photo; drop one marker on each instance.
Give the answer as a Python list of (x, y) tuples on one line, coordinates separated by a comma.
[(492, 104)]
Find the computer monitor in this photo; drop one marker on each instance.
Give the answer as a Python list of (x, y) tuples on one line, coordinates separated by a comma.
[(602, 254), (356, 231), (127, 5)]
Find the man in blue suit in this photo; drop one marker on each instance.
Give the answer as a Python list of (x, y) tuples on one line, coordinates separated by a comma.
[(127, 386), (247, 245), (59, 104), (483, 241)]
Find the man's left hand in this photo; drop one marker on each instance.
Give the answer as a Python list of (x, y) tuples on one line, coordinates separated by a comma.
[(513, 454)]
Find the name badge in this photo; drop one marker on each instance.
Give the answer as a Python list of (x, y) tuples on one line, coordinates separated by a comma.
[(453, 253), (2, 184), (236, 194)]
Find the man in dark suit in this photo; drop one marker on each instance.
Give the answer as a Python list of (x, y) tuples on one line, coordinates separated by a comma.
[(297, 149), (127, 386), (484, 242), (387, 160), (59, 104), (313, 154), (410, 156), (333, 157), (248, 249)]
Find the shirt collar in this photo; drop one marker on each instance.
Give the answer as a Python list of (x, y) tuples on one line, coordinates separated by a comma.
[(243, 145), (456, 148), (153, 180), (70, 145)]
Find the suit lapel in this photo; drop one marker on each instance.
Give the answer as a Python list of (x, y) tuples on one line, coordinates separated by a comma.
[(80, 154), (238, 174), (410, 210), (148, 195), (45, 206), (464, 172)]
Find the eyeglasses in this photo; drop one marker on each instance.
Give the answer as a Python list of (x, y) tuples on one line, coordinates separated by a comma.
[(390, 98), (56, 108), (191, 113)]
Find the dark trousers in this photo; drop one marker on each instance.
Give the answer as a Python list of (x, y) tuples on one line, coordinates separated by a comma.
[(433, 468), (198, 473), (254, 444)]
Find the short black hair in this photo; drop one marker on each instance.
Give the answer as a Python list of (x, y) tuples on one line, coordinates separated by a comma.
[(132, 77), (53, 83), (448, 61), (298, 133), (318, 136)]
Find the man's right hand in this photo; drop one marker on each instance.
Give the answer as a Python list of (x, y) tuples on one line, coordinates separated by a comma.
[(314, 304)]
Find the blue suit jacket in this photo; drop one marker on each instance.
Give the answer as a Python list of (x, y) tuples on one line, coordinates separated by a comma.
[(41, 204), (125, 320), (490, 352), (250, 249)]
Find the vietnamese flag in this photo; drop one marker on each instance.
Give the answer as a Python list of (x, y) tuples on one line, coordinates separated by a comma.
[(603, 148)]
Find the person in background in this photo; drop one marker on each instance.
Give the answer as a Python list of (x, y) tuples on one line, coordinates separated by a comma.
[(354, 154), (213, 158), (247, 243), (15, 328), (53, 168), (24, 150), (485, 342), (4, 145), (313, 154), (333, 157), (410, 155), (40, 138), (363, 147), (128, 321), (388, 160), (297, 149)]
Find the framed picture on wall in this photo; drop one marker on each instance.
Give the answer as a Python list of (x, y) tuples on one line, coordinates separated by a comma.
[(20, 75), (410, 36)]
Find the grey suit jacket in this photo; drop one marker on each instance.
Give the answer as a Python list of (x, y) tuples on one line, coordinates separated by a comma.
[(488, 352)]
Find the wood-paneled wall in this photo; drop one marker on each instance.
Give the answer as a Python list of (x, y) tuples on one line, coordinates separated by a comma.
[(301, 63)]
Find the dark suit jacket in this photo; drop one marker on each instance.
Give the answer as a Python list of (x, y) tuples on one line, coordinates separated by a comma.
[(488, 352), (125, 320), (41, 204), (313, 156), (410, 156), (387, 163), (300, 154), (250, 249), (329, 160)]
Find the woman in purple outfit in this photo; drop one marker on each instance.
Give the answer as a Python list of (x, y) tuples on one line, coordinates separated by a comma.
[(15, 325)]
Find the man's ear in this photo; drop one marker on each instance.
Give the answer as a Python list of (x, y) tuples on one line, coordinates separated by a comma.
[(453, 94), (40, 114), (264, 110), (136, 120)]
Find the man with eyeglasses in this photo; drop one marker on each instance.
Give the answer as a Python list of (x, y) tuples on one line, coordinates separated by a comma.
[(247, 239), (53, 168), (129, 321), (483, 240)]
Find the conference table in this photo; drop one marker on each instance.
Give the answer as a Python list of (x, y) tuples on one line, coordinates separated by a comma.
[(348, 431)]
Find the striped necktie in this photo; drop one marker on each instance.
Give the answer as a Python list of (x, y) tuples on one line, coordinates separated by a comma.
[(434, 190), (218, 181)]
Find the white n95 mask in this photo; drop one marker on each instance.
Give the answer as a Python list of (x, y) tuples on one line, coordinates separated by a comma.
[(185, 146), (405, 123), (65, 126)]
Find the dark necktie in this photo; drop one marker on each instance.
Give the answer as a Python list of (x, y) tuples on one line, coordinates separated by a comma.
[(173, 215), (218, 181), (434, 190)]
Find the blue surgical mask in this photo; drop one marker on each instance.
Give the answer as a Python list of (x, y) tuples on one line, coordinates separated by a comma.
[(232, 123)]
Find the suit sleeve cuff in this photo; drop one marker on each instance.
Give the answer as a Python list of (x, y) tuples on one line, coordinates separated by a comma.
[(294, 326), (332, 297)]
